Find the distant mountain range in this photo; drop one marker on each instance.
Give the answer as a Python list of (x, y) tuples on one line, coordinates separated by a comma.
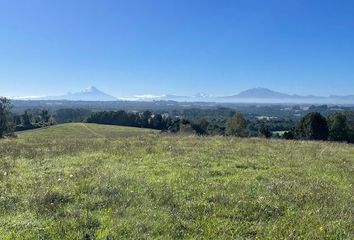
[(265, 93), (254, 95), (261, 95)]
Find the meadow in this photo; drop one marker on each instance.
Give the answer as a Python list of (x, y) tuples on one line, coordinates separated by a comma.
[(89, 181)]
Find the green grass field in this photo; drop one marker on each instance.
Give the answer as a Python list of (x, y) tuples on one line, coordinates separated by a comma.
[(87, 181), (84, 130)]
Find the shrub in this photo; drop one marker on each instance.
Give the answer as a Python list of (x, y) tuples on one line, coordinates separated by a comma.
[(236, 125)]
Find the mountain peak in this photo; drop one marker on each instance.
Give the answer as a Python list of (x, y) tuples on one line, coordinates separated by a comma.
[(260, 92), (91, 89), (201, 95), (89, 94)]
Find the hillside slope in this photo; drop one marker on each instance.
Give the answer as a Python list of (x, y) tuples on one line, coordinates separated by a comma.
[(153, 186), (84, 130)]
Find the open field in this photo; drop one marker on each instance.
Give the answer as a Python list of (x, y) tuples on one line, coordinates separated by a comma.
[(87, 181)]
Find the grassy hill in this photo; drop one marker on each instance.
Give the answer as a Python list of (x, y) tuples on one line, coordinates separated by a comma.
[(87, 181), (83, 130)]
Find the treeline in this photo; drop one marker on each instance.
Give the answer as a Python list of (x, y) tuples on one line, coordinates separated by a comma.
[(313, 126), (236, 125), (66, 115), (151, 120), (37, 118), (144, 119), (32, 119)]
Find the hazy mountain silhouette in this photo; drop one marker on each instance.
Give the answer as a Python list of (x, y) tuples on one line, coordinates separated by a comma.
[(89, 94), (261, 93), (253, 95)]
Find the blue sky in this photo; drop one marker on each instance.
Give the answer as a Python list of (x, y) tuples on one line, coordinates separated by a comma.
[(184, 47)]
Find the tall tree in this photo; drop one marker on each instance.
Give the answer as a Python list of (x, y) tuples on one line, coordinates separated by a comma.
[(313, 127), (236, 125), (26, 119), (145, 118), (338, 127), (157, 121), (6, 123), (264, 131), (201, 127), (45, 116)]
